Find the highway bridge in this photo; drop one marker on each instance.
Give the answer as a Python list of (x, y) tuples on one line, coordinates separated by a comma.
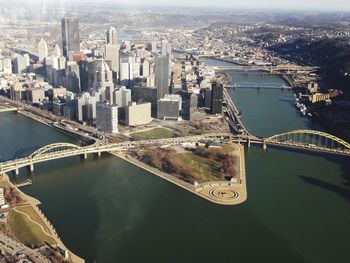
[(281, 69), (283, 87), (298, 139), (64, 150)]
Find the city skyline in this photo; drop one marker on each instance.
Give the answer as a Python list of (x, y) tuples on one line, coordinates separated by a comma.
[(242, 114)]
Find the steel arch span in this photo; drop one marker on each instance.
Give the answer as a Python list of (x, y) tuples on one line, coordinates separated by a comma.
[(310, 139), (52, 148)]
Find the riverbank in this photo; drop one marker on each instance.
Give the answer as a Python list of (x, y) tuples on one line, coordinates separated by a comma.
[(45, 225)]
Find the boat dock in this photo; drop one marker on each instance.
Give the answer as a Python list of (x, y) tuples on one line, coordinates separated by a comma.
[(25, 183)]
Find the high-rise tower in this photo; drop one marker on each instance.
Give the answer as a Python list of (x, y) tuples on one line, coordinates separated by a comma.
[(43, 50), (112, 36), (70, 36)]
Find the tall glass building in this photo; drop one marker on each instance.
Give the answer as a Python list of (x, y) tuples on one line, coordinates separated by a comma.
[(70, 36)]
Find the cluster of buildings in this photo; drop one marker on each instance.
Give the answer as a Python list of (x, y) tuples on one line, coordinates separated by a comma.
[(125, 83)]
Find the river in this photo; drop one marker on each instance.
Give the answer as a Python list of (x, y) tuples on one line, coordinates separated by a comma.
[(107, 210)]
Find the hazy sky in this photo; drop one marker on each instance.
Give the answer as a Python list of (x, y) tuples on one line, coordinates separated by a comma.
[(342, 5), (286, 4)]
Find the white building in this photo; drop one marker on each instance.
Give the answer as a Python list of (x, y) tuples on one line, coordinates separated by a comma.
[(85, 108), (111, 53), (5, 65), (43, 50), (138, 114), (122, 97)]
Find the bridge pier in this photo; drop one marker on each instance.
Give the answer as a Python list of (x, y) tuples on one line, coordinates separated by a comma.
[(17, 171), (99, 154), (85, 156), (31, 167), (264, 146), (248, 143)]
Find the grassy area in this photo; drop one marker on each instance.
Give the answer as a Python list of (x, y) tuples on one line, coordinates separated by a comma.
[(4, 184), (196, 165), (33, 215), (201, 169), (28, 232), (229, 148), (156, 133)]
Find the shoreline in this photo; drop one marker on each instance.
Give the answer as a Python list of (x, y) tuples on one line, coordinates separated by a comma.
[(34, 203)]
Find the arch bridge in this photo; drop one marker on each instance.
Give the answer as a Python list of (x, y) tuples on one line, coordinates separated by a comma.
[(309, 140)]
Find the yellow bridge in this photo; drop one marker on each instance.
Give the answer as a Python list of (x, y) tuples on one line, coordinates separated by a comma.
[(298, 139)]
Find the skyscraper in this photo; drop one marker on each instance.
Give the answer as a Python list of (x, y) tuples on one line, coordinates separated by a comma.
[(166, 48), (217, 94), (111, 53), (70, 36), (112, 36), (42, 50), (162, 68)]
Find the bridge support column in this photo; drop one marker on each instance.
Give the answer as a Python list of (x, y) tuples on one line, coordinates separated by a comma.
[(31, 167), (264, 146), (85, 156), (17, 171), (99, 154), (248, 143)]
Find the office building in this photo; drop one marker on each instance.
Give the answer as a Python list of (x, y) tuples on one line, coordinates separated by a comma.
[(56, 92), (85, 108), (121, 96), (95, 75), (165, 48), (22, 63), (43, 50), (207, 98), (70, 36), (57, 51), (107, 117), (73, 77), (58, 106), (17, 92), (127, 68), (5, 65), (138, 114), (36, 95), (152, 46), (112, 36), (111, 54), (217, 96), (162, 76), (169, 107)]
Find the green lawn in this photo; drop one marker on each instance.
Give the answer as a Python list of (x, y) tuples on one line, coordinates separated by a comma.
[(33, 215), (27, 232), (156, 133), (201, 169)]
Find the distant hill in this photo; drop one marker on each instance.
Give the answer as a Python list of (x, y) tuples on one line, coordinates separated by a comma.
[(331, 55)]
